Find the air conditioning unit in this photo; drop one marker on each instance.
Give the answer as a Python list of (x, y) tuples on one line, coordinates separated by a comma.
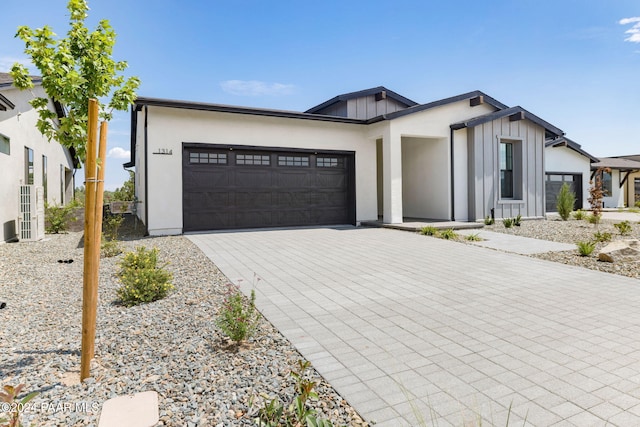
[(31, 220)]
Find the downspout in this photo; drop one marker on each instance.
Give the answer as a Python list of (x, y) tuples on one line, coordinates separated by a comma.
[(452, 180), (146, 169)]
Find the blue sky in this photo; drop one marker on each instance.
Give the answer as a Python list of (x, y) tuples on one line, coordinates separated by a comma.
[(571, 62)]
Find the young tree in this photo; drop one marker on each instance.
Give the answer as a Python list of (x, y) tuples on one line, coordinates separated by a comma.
[(596, 193), (565, 201), (73, 70)]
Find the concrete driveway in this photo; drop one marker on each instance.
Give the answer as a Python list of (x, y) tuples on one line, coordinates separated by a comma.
[(410, 328)]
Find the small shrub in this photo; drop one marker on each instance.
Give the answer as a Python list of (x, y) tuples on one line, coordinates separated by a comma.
[(429, 230), (238, 318), (109, 248), (488, 220), (579, 214), (517, 221), (298, 413), (586, 248), (637, 204), (601, 236), (474, 237), (565, 201), (448, 234), (111, 224), (634, 210), (507, 222), (142, 280), (624, 228), (11, 406), (593, 218), (57, 217)]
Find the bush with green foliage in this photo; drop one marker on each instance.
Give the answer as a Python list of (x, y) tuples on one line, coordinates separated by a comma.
[(488, 220), (109, 248), (142, 279), (624, 228), (238, 317), (507, 222), (297, 413), (586, 248), (429, 230), (579, 214), (449, 234), (594, 219), (57, 217), (474, 237), (637, 204), (517, 221), (601, 236), (565, 201)]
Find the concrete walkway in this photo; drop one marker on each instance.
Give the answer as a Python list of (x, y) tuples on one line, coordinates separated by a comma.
[(515, 244), (410, 328)]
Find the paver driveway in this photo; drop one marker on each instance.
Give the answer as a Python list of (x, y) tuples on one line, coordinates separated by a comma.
[(406, 326)]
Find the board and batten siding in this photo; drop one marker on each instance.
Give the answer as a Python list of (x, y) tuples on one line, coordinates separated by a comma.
[(364, 107), (484, 169)]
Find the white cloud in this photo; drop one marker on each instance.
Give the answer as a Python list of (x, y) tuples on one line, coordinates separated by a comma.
[(119, 153), (255, 88), (633, 32)]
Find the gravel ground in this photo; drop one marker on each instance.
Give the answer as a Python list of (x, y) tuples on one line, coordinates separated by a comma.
[(171, 346), (572, 231)]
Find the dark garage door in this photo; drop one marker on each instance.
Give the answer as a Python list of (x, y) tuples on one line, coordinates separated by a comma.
[(553, 184), (226, 188)]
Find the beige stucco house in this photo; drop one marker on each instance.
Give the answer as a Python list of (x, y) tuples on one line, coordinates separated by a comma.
[(566, 162), (32, 169), (361, 156)]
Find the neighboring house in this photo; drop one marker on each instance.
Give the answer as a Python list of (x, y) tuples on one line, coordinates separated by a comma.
[(566, 161), (622, 183), (28, 158), (357, 157)]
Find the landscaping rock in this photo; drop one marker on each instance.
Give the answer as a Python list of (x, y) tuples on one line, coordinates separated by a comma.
[(621, 250)]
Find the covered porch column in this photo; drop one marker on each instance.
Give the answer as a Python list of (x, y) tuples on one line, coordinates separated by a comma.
[(392, 176)]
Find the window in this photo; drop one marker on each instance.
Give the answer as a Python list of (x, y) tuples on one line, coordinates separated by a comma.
[(606, 183), (28, 166), (252, 159), (44, 176), (328, 162), (211, 158), (293, 161), (5, 147), (506, 170)]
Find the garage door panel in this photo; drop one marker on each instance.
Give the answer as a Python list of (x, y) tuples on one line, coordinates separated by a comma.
[(553, 184), (290, 189), (251, 177)]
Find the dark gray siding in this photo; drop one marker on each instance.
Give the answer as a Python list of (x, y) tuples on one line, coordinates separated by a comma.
[(484, 173)]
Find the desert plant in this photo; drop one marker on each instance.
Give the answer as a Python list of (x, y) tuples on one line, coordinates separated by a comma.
[(238, 318), (109, 248), (517, 221), (579, 214), (507, 222), (585, 248), (111, 225), (11, 406), (142, 279), (57, 217), (593, 218), (565, 201), (488, 220), (429, 230), (448, 234), (624, 228), (601, 236), (474, 237), (297, 413)]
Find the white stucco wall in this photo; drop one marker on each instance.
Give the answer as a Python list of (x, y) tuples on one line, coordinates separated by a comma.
[(616, 199), (19, 125), (566, 160), (168, 128)]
